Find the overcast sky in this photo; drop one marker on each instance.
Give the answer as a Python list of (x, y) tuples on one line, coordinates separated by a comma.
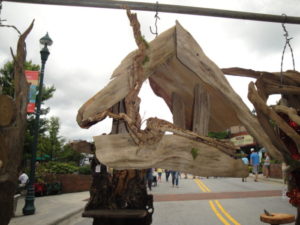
[(89, 43)]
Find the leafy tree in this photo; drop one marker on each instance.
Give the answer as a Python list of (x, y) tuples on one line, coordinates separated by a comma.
[(6, 76), (68, 154), (6, 82)]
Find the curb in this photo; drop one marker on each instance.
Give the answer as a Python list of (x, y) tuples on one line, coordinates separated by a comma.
[(280, 181), (64, 219)]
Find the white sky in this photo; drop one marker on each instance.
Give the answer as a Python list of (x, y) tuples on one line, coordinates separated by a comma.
[(89, 43)]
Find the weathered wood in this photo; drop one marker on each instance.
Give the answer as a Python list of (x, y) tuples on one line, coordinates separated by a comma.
[(277, 218), (176, 64), (178, 111), (201, 111), (289, 77), (121, 198), (291, 112), (271, 114), (12, 137), (172, 152), (7, 110), (264, 119), (216, 83)]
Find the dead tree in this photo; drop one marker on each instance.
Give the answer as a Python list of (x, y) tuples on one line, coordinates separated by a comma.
[(12, 130)]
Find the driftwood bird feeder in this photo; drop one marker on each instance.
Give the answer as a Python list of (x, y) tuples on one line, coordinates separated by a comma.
[(200, 99)]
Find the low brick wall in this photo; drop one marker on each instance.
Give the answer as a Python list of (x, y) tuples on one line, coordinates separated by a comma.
[(74, 182), (275, 171)]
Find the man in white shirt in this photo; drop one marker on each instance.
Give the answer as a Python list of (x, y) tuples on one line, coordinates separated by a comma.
[(23, 178)]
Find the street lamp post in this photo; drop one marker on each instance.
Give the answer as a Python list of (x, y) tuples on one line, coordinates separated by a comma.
[(29, 208)]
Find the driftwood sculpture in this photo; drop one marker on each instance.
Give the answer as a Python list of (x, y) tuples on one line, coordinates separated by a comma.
[(281, 122), (178, 71), (201, 100)]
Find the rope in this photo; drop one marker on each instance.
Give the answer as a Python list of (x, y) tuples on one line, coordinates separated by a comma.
[(156, 18), (287, 43), (0, 12)]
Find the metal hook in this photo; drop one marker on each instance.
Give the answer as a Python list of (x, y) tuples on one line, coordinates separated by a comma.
[(287, 43), (156, 18)]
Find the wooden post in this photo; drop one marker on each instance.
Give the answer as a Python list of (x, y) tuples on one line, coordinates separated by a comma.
[(201, 114), (178, 111)]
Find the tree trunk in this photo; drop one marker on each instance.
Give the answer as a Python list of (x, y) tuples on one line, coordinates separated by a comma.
[(298, 216), (115, 198), (12, 135)]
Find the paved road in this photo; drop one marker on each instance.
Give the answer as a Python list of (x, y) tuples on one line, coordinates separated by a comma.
[(218, 201)]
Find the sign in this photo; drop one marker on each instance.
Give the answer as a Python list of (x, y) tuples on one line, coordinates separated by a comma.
[(242, 140), (32, 78)]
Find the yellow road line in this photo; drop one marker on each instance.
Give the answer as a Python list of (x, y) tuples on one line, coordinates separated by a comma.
[(221, 218), (200, 185), (226, 213), (204, 188)]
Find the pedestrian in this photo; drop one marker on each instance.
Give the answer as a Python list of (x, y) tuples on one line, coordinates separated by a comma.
[(254, 161), (167, 174), (149, 178), (23, 179), (267, 165), (175, 178), (246, 162), (159, 173)]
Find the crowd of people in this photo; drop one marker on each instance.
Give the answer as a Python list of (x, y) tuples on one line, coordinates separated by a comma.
[(154, 176), (254, 161)]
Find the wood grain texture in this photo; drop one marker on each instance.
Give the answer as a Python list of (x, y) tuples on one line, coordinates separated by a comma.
[(172, 152), (7, 110)]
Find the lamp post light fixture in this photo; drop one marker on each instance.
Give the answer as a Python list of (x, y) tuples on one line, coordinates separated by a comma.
[(29, 208)]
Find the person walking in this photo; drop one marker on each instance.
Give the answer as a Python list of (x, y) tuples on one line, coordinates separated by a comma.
[(159, 172), (175, 178), (246, 162), (254, 161), (167, 174), (267, 164), (149, 178)]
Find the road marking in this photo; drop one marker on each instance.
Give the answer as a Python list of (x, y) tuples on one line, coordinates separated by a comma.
[(204, 188), (226, 213), (223, 220), (201, 184)]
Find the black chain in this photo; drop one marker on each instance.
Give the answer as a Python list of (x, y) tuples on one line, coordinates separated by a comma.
[(156, 18), (287, 43)]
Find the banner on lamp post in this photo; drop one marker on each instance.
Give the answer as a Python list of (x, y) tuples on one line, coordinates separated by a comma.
[(32, 78)]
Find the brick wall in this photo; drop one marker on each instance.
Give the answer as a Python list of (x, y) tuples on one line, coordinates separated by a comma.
[(74, 182)]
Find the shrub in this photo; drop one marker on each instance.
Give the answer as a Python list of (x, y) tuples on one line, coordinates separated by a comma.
[(84, 169), (56, 168)]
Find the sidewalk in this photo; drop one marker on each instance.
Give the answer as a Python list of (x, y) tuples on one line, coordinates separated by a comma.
[(58, 209), (52, 209), (263, 178)]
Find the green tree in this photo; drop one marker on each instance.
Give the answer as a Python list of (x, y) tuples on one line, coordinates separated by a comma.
[(6, 82), (6, 76)]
